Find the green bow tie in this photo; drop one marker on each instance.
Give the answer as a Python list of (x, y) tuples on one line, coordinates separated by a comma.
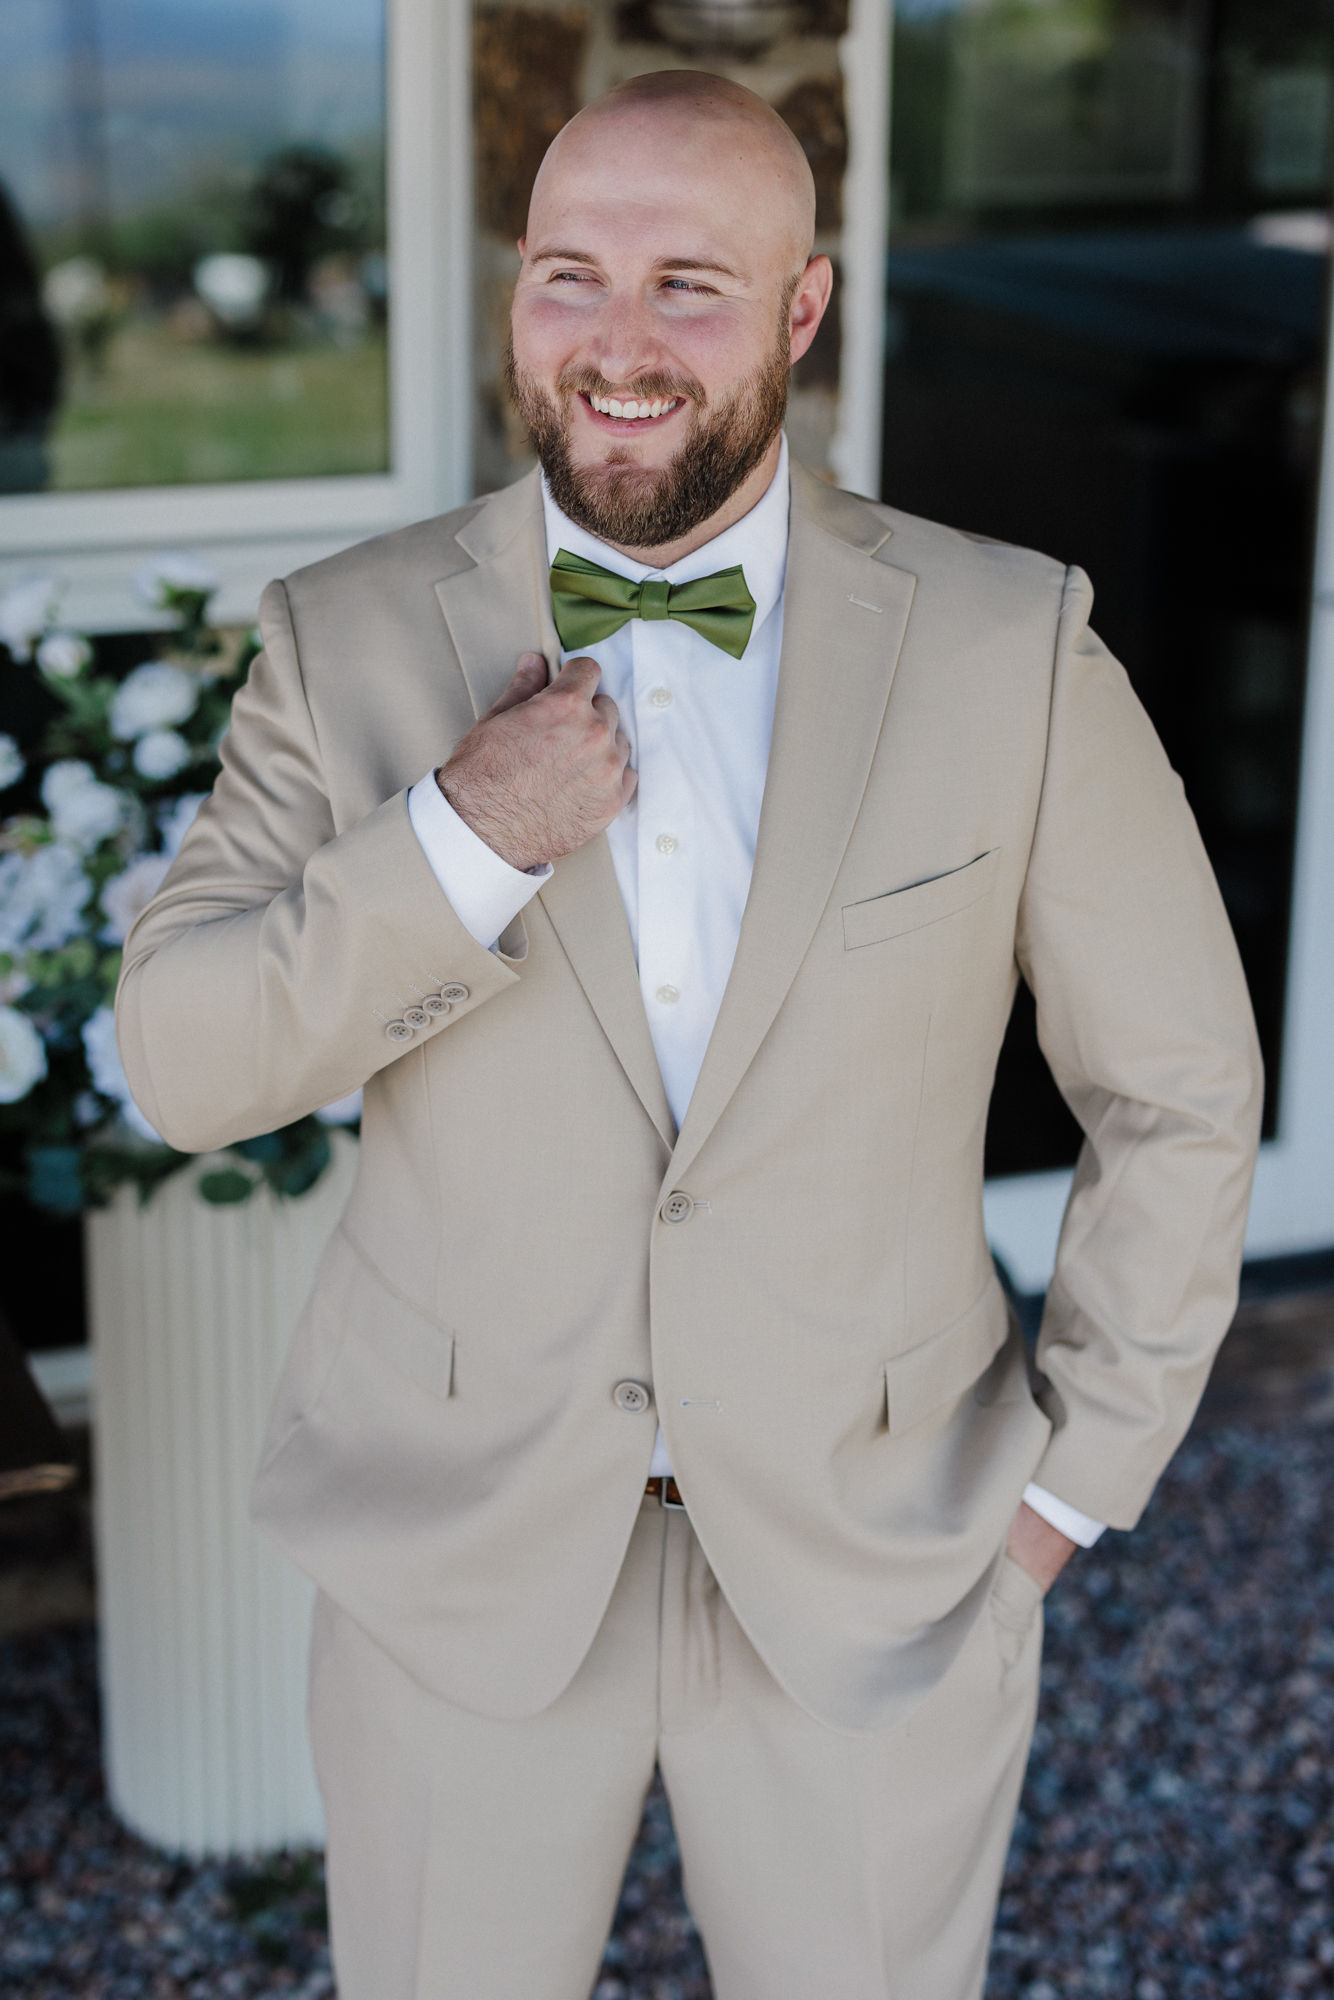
[(590, 603)]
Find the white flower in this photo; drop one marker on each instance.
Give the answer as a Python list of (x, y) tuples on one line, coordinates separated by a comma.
[(155, 696), (42, 896), (26, 609), (175, 820), (161, 753), (12, 765), (64, 655), (83, 810), (178, 569), (126, 894), (22, 1055), (76, 290), (108, 1072), (343, 1110)]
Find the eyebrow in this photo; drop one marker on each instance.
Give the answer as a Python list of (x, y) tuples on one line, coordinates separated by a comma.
[(568, 256)]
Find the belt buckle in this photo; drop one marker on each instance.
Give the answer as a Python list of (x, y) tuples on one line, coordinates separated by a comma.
[(677, 1506)]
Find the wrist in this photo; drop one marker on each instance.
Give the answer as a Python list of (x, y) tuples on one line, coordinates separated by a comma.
[(489, 828)]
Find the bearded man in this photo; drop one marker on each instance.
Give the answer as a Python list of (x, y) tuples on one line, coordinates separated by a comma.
[(657, 1404)]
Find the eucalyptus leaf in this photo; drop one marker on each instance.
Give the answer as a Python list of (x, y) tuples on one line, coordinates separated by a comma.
[(225, 1185)]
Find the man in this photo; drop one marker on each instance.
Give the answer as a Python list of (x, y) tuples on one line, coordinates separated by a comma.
[(676, 985)]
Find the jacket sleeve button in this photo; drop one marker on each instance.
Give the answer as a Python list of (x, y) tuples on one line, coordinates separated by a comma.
[(398, 1031), (436, 1003), (453, 991), (416, 1017)]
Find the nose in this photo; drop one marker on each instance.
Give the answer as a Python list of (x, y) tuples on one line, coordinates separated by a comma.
[(625, 343)]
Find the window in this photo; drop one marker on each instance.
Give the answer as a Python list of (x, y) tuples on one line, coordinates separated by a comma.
[(195, 278), (201, 342)]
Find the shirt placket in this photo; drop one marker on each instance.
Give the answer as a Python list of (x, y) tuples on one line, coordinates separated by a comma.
[(670, 972)]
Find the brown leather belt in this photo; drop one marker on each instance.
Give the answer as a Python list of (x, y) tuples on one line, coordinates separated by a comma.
[(665, 1491)]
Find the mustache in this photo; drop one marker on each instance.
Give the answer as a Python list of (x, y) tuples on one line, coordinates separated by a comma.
[(644, 388)]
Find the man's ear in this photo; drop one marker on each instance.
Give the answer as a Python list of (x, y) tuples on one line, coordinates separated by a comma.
[(814, 289), (521, 242)]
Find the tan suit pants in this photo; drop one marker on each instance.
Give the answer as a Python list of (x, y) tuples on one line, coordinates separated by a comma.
[(470, 1859)]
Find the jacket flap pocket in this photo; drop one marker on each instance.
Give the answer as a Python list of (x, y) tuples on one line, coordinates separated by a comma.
[(924, 903), (941, 1368), (398, 1331)]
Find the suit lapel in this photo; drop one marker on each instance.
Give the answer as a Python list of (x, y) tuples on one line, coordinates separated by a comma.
[(844, 617), (497, 605)]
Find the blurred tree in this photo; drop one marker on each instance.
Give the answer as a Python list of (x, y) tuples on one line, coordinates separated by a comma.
[(298, 210)]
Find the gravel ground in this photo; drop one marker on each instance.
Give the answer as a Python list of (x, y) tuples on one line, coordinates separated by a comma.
[(1175, 1842)]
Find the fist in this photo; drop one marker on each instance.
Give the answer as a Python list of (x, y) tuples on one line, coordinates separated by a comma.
[(546, 768)]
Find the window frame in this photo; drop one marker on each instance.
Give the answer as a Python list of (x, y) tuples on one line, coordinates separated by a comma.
[(252, 530)]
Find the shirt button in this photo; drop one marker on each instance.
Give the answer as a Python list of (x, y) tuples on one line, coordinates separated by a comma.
[(666, 843), (631, 1396), (678, 1207), (661, 697), (668, 995)]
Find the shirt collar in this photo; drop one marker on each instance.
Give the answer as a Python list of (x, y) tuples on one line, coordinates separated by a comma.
[(758, 541)]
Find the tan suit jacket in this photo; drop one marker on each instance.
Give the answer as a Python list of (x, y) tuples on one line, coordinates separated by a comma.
[(961, 787)]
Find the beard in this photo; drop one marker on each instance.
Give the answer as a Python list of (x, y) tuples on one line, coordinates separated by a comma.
[(633, 506)]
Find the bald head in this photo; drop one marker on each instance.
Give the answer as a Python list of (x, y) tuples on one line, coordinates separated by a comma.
[(680, 126), (667, 286)]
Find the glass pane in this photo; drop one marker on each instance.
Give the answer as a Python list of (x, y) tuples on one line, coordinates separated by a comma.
[(192, 241), (1108, 269)]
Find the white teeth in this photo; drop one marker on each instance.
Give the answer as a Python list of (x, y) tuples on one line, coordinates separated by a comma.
[(609, 406)]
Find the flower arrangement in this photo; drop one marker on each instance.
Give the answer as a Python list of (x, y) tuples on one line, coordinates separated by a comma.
[(102, 801)]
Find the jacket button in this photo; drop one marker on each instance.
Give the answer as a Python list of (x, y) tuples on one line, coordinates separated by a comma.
[(678, 1207), (632, 1396), (453, 991), (416, 1017), (398, 1031), (436, 1003)]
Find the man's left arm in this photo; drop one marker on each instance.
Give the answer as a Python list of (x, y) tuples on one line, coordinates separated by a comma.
[(1144, 1018)]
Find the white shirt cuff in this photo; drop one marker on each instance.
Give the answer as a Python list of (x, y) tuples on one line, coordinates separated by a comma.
[(486, 894), (1081, 1528)]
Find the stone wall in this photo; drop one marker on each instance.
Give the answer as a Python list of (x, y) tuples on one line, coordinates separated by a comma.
[(535, 65)]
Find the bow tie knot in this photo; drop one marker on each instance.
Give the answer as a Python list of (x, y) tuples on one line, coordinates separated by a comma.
[(590, 603)]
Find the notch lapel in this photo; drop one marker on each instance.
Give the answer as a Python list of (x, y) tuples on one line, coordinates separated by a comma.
[(496, 605), (844, 617)]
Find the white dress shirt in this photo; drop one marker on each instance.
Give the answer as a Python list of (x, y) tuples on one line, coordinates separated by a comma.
[(699, 724)]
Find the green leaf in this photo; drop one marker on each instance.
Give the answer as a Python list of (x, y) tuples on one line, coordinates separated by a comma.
[(298, 1174), (55, 1180), (224, 1185), (265, 1151)]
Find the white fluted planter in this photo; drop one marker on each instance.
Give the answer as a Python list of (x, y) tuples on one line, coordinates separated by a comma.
[(203, 1626)]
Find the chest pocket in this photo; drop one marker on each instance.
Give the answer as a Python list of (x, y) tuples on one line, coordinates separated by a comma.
[(924, 903)]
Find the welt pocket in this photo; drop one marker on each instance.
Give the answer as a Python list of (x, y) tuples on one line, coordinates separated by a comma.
[(910, 909)]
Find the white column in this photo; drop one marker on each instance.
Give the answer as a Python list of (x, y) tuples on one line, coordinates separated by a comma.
[(203, 1627)]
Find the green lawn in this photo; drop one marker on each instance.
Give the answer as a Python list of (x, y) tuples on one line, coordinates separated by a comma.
[(166, 412)]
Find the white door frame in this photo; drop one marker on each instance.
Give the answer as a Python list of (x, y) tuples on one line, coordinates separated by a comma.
[(256, 529)]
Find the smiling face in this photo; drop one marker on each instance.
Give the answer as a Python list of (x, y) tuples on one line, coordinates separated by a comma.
[(665, 291)]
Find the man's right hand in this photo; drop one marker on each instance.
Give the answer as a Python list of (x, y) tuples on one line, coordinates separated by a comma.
[(545, 768)]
